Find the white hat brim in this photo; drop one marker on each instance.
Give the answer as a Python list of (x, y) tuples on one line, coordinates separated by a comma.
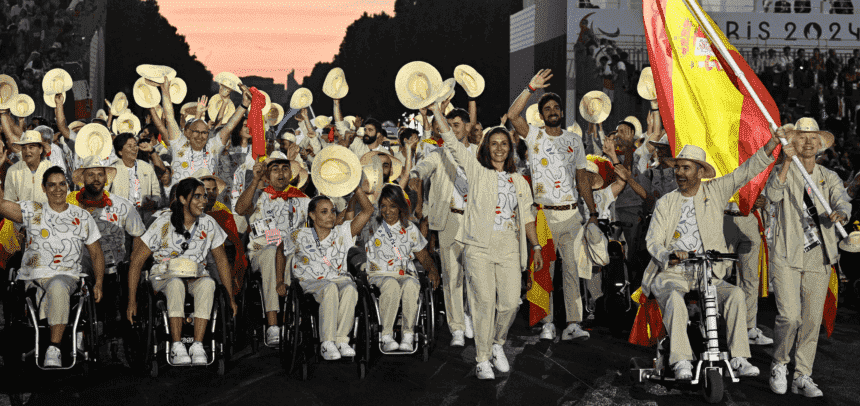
[(470, 80), (82, 144), (301, 98), (605, 108), (410, 99), (336, 158), (55, 77), (145, 95), (329, 84), (25, 100)]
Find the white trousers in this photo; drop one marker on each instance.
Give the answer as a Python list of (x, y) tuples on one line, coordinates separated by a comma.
[(394, 291), (337, 298)]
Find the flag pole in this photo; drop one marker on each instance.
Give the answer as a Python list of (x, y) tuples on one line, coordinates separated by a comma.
[(715, 39)]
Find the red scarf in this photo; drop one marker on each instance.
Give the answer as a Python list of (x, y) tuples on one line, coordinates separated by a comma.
[(331, 135), (291, 191), (255, 123), (100, 204)]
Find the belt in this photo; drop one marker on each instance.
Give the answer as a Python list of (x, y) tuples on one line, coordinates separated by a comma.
[(458, 211), (734, 213), (565, 207)]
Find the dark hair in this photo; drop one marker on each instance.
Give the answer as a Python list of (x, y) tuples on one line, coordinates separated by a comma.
[(185, 188), (376, 124), (151, 129), (235, 137), (546, 99), (458, 112), (312, 207), (395, 194), (484, 151), (120, 141), (405, 133), (52, 171), (627, 123)]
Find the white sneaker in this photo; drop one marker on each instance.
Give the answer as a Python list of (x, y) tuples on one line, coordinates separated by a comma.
[(178, 354), (53, 357), (329, 351), (345, 350), (778, 380), (803, 385), (469, 332), (458, 340), (485, 371), (406, 342), (273, 335), (500, 361), (548, 332), (574, 332), (388, 343), (683, 370), (757, 337), (743, 367), (198, 354)]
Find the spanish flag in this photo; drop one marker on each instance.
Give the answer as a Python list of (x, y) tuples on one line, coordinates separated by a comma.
[(648, 326), (702, 101), (831, 301), (538, 295)]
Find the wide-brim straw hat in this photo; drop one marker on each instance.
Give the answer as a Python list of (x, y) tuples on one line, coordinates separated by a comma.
[(91, 162), (596, 245), (182, 268), (288, 136), (851, 243), (34, 137), (8, 91), (189, 109), (446, 91), (49, 99), (809, 125), (229, 80), (93, 140), (693, 153), (76, 125), (23, 106), (156, 73), (321, 121), (336, 171), (471, 81), (301, 98), (335, 85), (576, 129), (275, 107), (663, 142), (297, 170), (637, 126), (126, 123), (414, 91), (204, 174), (351, 121), (595, 106), (145, 95), (373, 173), (268, 105), (275, 157), (646, 87), (396, 164), (57, 81), (215, 105), (101, 115), (178, 90), (594, 177), (533, 116), (119, 104)]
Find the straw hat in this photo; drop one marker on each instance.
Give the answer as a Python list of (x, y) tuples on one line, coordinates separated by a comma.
[(693, 153), (851, 243), (414, 91), (373, 174), (336, 171), (321, 121), (268, 105), (204, 174), (156, 73), (8, 91), (275, 157), (637, 125), (351, 121), (145, 95), (229, 80), (396, 164), (289, 137), (101, 115), (575, 129), (178, 90), (595, 106), (57, 81), (596, 245), (275, 107), (595, 179), (297, 170), (182, 268), (663, 142), (119, 104), (34, 137), (301, 98), (49, 99), (189, 109), (470, 80), (446, 91), (335, 85), (91, 162), (533, 116), (23, 106), (126, 123), (93, 140), (76, 125), (215, 105), (809, 125), (646, 87)]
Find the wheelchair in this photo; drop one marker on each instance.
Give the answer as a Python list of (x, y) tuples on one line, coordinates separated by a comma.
[(150, 340), (253, 322), (704, 330), (615, 307)]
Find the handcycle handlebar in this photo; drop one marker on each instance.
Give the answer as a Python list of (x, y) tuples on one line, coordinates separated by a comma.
[(709, 255)]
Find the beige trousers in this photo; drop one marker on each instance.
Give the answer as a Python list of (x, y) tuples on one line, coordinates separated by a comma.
[(742, 236), (203, 290), (451, 253), (394, 290), (337, 298), (494, 283), (669, 288), (53, 297), (263, 261), (564, 226), (800, 295)]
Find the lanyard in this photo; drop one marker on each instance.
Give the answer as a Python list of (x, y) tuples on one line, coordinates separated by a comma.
[(393, 242), (317, 240), (191, 236)]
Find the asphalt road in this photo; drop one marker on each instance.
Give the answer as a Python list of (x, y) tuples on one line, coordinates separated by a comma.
[(592, 372)]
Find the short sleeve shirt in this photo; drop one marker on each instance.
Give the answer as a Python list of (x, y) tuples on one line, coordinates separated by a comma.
[(186, 161), (553, 162), (166, 244), (384, 259), (506, 204), (56, 240), (277, 214), (311, 255), (114, 222)]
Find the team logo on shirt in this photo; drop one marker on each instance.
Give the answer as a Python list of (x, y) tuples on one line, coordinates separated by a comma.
[(45, 233)]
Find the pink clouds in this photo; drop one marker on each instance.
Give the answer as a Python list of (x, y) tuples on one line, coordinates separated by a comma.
[(266, 38)]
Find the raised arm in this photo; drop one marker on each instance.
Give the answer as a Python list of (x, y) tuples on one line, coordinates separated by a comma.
[(337, 115), (162, 129), (61, 116), (362, 218), (245, 204), (461, 154), (10, 210), (224, 132), (12, 131), (539, 81), (167, 106)]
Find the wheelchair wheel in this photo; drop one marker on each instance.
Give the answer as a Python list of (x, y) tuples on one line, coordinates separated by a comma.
[(363, 337), (139, 338), (223, 331), (91, 337), (290, 334), (428, 325), (712, 389)]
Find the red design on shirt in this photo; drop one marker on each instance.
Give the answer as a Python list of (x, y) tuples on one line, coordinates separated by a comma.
[(204, 235), (76, 221), (402, 273)]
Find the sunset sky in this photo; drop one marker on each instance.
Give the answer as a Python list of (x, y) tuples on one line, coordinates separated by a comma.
[(266, 38)]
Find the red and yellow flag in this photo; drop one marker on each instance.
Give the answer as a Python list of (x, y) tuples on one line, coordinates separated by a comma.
[(648, 326), (538, 295), (702, 102), (831, 301)]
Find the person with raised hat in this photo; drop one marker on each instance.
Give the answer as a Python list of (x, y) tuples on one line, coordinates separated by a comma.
[(557, 163), (23, 177), (691, 219), (136, 179), (57, 234), (804, 250)]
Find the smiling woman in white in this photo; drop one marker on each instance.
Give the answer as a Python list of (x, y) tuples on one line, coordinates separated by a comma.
[(498, 219)]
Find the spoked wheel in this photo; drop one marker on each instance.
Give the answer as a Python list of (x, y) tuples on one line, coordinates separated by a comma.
[(712, 390), (363, 338), (223, 330), (291, 336)]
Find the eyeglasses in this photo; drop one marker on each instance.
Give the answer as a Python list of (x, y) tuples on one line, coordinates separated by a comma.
[(199, 132)]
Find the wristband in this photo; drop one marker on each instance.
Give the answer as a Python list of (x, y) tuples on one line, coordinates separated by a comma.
[(537, 248), (531, 89), (653, 110), (593, 214), (245, 107), (616, 163)]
